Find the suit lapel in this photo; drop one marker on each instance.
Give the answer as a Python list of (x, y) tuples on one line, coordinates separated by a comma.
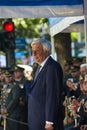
[(42, 71)]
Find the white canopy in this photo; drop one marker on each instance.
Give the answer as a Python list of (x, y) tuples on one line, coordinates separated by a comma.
[(62, 24), (40, 8)]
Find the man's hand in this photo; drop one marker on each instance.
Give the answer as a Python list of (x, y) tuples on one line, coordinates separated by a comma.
[(3, 111), (49, 127)]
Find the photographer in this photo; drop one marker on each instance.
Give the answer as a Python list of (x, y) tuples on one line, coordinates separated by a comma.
[(72, 83)]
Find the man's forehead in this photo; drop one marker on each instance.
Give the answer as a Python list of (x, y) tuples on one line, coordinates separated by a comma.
[(37, 46)]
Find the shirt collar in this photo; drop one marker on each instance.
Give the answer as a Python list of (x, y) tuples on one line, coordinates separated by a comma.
[(43, 63)]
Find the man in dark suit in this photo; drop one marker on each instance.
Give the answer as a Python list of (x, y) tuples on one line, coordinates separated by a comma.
[(44, 102)]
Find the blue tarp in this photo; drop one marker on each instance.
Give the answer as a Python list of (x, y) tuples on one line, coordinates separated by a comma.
[(40, 2)]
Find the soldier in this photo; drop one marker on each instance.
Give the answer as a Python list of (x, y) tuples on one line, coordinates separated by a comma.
[(76, 61), (24, 85), (79, 107), (72, 82), (67, 74), (2, 80), (83, 109), (2, 76), (10, 102)]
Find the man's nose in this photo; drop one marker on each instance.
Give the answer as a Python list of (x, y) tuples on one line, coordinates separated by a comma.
[(34, 52)]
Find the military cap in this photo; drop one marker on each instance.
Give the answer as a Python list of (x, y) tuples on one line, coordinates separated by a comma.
[(72, 97), (76, 60), (67, 62), (8, 73), (84, 60), (19, 69), (75, 68), (1, 71)]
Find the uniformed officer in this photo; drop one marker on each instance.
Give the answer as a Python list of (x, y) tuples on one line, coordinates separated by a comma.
[(23, 85), (83, 109), (72, 82), (79, 107), (10, 102)]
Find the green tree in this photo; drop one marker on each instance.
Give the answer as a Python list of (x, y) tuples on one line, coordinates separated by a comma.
[(29, 27)]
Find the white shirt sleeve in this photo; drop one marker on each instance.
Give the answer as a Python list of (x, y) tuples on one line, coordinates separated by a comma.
[(48, 122)]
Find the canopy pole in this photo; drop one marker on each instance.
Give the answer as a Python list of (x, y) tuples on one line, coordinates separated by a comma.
[(85, 29), (85, 25), (52, 43), (53, 48)]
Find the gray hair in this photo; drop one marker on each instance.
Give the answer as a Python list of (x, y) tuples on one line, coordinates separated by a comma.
[(46, 44)]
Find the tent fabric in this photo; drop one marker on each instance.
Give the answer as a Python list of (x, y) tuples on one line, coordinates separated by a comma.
[(40, 8), (59, 24), (75, 27), (39, 2)]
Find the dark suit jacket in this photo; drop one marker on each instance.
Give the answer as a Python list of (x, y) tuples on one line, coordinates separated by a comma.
[(12, 102), (12, 105), (45, 97)]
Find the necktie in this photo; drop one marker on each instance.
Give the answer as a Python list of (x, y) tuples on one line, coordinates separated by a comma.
[(37, 72)]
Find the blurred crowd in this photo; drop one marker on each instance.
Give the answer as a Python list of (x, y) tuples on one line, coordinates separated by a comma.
[(14, 88), (75, 94)]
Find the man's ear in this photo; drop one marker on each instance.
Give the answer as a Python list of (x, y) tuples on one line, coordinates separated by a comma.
[(46, 53)]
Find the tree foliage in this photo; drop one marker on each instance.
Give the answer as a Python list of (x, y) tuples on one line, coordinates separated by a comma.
[(29, 27), (74, 37)]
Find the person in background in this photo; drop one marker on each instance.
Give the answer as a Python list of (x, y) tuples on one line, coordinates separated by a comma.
[(2, 75), (73, 81), (67, 67), (83, 69), (10, 102), (76, 61), (79, 108), (45, 106), (23, 84)]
